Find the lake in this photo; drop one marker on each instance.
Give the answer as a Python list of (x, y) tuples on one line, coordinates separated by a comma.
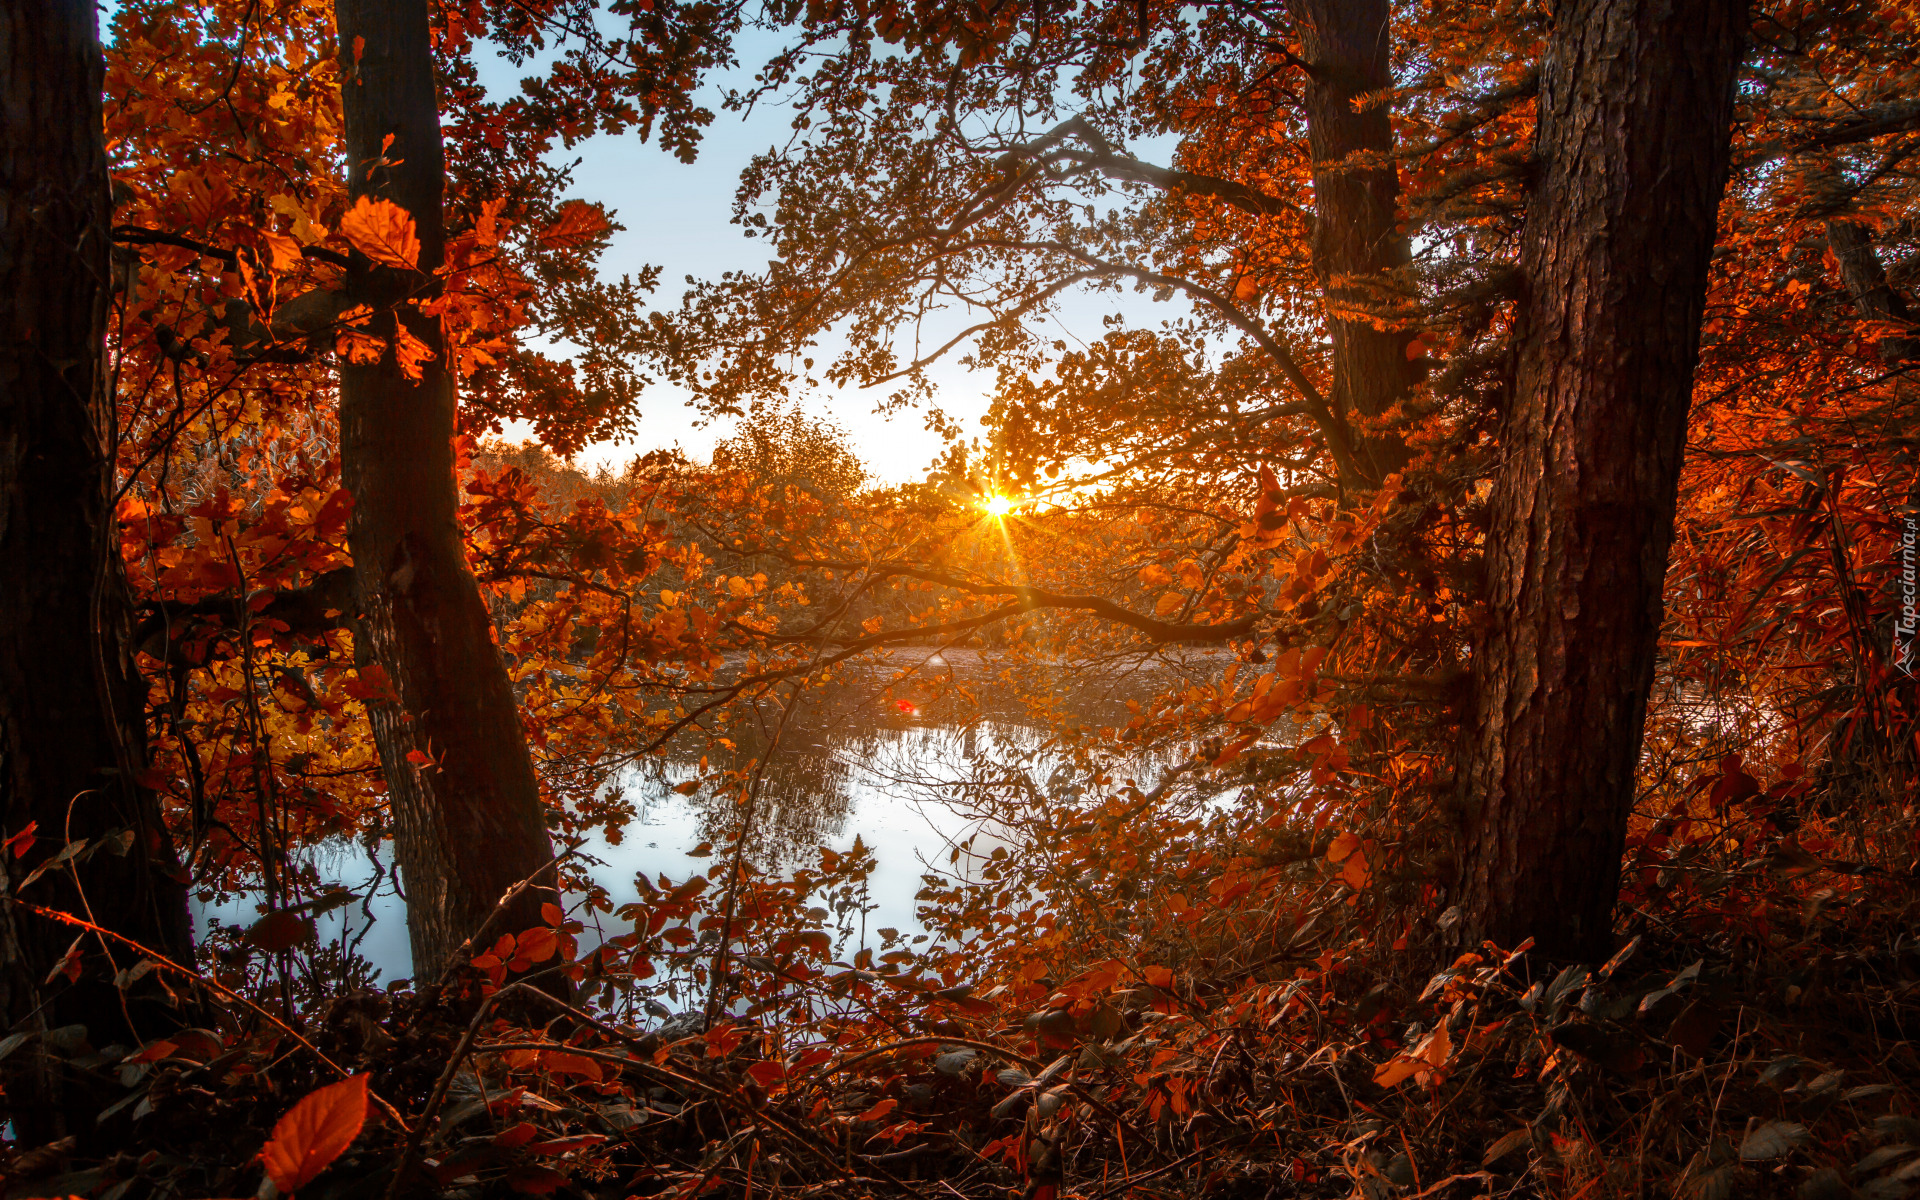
[(856, 761)]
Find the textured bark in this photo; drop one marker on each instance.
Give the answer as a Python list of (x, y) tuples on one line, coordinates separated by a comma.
[(1358, 244), (1635, 105), (71, 705), (1866, 281), (469, 824)]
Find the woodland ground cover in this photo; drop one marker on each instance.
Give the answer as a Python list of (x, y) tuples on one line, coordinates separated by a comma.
[(1527, 482)]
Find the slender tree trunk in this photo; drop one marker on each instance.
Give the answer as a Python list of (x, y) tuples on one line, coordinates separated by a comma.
[(1866, 281), (467, 812), (72, 719), (1357, 240), (1635, 105)]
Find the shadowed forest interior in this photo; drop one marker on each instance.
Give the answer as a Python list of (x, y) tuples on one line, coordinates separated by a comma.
[(1395, 682)]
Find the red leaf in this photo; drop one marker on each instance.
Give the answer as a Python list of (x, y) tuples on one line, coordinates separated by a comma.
[(22, 842), (879, 1110), (314, 1133), (538, 944)]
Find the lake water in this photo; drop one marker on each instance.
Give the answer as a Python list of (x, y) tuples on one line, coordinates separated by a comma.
[(858, 763)]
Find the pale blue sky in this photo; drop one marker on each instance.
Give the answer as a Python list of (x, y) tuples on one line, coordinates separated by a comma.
[(679, 217)]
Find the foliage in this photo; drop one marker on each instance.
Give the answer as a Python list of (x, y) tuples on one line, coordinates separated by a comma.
[(1217, 981)]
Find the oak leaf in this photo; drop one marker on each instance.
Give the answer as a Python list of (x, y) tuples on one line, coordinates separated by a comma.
[(383, 231)]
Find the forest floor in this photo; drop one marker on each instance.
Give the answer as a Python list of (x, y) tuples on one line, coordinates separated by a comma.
[(1765, 1051)]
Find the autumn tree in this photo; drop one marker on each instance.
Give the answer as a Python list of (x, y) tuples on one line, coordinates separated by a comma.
[(785, 446), (251, 274), (1633, 144), (470, 826), (1328, 388), (84, 829)]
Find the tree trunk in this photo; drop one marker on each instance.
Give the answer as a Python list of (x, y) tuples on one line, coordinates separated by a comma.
[(1635, 105), (468, 819), (1357, 239), (1866, 281), (72, 719)]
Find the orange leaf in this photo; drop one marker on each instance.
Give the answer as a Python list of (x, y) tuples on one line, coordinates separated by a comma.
[(383, 231), (284, 251), (878, 1111), (411, 353), (314, 1133), (576, 227), (559, 1062)]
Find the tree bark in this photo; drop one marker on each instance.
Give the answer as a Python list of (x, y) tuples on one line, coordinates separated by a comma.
[(1866, 281), (468, 820), (1635, 107), (72, 712), (1357, 240)]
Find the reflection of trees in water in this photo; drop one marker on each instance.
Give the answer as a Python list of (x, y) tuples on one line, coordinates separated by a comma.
[(970, 751), (813, 780)]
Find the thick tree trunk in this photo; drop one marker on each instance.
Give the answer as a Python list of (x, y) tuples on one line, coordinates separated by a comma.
[(468, 820), (72, 722), (1357, 240), (1635, 105)]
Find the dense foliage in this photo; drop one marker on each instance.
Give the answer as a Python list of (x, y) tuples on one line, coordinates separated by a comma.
[(1220, 942)]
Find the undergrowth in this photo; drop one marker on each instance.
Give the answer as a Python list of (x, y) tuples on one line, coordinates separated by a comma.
[(1753, 1037)]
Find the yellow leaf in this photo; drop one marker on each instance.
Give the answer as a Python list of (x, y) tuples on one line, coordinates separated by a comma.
[(383, 231), (305, 229)]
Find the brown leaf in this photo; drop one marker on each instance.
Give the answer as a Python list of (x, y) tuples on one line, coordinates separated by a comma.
[(1504, 1145)]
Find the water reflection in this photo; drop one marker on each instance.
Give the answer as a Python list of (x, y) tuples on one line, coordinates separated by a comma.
[(856, 762)]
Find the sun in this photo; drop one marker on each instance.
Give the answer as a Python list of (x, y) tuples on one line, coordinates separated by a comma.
[(997, 505)]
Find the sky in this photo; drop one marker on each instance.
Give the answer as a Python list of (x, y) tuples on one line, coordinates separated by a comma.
[(678, 216)]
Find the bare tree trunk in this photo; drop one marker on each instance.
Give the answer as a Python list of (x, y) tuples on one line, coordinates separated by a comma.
[(72, 713), (1357, 239), (468, 819), (1635, 106)]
